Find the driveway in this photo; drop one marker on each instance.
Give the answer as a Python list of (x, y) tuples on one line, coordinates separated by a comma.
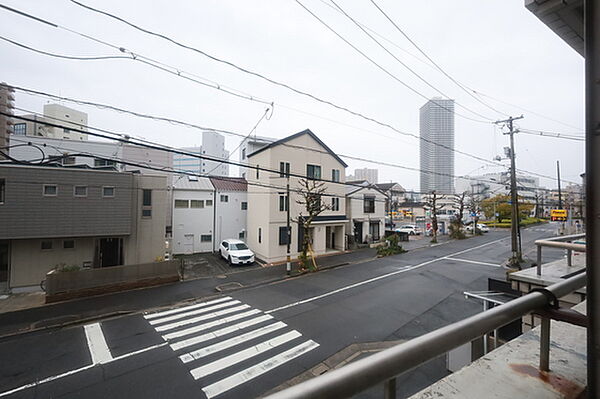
[(209, 265)]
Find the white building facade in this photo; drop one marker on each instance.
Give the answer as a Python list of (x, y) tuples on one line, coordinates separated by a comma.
[(231, 209), (73, 122), (365, 208), (213, 146), (193, 215), (267, 212)]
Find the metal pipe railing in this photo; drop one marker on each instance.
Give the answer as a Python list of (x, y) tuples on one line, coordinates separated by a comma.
[(562, 242), (383, 367)]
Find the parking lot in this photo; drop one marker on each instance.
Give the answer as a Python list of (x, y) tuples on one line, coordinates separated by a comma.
[(209, 264)]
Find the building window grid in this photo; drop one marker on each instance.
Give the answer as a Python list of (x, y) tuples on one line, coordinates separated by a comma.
[(108, 191), (335, 204), (369, 204), (224, 198), (284, 169), (244, 206), (197, 204), (283, 203), (2, 190), (313, 171), (80, 191), (182, 203), (50, 190)]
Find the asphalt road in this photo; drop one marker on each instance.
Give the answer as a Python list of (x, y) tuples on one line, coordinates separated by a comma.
[(244, 344)]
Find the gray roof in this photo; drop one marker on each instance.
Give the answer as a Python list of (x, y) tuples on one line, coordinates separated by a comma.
[(293, 136), (184, 182)]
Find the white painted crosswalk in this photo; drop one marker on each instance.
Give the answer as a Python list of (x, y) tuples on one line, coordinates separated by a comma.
[(225, 343)]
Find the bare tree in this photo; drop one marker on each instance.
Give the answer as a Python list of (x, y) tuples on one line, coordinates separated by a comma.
[(312, 206), (431, 204), (475, 208), (459, 205)]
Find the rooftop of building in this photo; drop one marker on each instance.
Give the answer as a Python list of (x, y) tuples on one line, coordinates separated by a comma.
[(229, 183)]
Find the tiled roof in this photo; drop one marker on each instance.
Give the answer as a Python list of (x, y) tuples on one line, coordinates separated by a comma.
[(229, 183)]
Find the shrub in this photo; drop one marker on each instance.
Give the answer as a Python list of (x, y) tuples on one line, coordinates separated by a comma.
[(391, 248), (456, 230), (63, 267)]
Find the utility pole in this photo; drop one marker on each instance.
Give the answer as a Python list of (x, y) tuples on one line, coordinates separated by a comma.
[(559, 192), (288, 265), (515, 234)]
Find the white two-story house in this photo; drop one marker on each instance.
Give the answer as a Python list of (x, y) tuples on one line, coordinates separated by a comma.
[(365, 207), (301, 154)]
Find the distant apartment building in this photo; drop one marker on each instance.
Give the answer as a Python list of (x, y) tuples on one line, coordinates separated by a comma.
[(6, 106), (213, 146), (366, 174), (248, 146), (365, 208), (73, 124), (58, 216), (492, 184), (267, 204), (437, 146)]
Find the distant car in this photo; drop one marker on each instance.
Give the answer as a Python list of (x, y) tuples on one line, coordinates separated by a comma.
[(236, 252), (411, 229), (481, 227)]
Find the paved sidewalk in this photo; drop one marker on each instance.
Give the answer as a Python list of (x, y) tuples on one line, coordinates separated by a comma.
[(15, 319)]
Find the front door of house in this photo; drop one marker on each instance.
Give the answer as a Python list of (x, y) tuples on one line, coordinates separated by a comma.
[(4, 265), (188, 244)]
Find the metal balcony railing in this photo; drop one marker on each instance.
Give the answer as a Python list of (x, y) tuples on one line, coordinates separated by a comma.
[(563, 242), (385, 366)]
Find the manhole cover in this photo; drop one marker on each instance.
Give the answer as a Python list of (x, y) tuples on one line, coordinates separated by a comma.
[(228, 286)]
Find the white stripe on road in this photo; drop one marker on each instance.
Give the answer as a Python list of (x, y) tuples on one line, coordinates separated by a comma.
[(246, 354), (193, 320), (193, 312), (218, 333), (403, 270), (219, 346), (252, 372), (97, 344), (476, 262), (184, 308), (206, 326)]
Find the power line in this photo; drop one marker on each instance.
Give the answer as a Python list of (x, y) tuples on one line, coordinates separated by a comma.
[(202, 128), (387, 72), (133, 56), (431, 60), (401, 62), (551, 134)]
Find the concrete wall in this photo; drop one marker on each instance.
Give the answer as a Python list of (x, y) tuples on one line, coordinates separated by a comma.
[(230, 218), (190, 223), (92, 281), (29, 263), (27, 213), (147, 241), (65, 116)]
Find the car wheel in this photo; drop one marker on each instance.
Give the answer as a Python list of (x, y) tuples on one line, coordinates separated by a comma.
[(412, 233), (229, 261)]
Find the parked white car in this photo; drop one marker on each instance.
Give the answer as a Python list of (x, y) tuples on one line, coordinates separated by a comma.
[(481, 227), (236, 252), (411, 229)]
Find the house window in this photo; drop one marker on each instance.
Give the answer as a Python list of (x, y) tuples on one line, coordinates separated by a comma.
[(2, 190), (46, 245), (335, 204), (69, 244), (257, 171), (197, 204), (99, 162), (369, 204), (182, 204), (313, 171), (242, 235), (284, 169), (283, 235), (335, 175), (146, 197), (208, 202), (108, 192), (224, 198), (205, 237), (50, 190), (80, 191), (283, 206), (314, 202), (243, 153), (146, 213), (20, 129), (244, 206), (259, 235)]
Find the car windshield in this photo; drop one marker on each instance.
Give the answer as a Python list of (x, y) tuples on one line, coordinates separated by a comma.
[(237, 247)]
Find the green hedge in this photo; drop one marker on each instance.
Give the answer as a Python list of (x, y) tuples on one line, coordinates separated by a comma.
[(507, 223)]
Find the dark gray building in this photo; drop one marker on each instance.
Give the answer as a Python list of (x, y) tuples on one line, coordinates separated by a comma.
[(437, 145)]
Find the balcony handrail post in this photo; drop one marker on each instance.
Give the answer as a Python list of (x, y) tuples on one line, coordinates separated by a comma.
[(545, 344), (539, 260), (389, 389)]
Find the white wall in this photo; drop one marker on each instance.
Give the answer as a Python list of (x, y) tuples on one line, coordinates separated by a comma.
[(192, 222), (230, 218), (355, 211)]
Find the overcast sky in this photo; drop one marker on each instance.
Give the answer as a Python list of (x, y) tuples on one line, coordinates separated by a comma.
[(495, 47)]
